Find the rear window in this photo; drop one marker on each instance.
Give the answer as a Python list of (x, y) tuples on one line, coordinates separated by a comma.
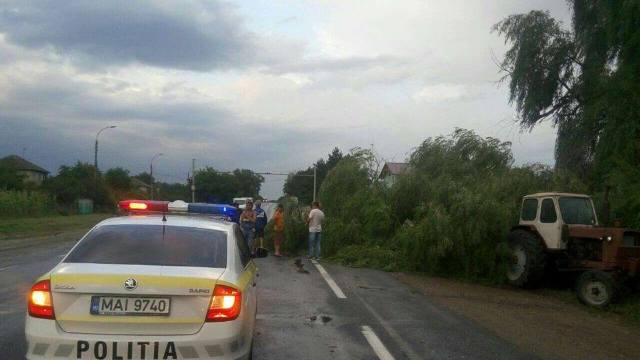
[(152, 245)]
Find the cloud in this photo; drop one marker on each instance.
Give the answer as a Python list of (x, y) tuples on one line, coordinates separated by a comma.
[(445, 92), (327, 64), (56, 116), (191, 35), (250, 85)]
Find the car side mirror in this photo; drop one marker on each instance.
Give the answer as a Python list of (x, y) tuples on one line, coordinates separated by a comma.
[(261, 252)]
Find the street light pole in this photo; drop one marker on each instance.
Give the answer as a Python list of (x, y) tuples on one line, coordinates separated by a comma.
[(193, 180), (95, 153), (151, 174), (95, 159)]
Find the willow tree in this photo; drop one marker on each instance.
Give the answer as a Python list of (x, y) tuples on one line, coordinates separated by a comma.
[(585, 78)]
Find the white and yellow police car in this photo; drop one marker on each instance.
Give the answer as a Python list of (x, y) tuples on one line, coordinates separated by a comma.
[(151, 285)]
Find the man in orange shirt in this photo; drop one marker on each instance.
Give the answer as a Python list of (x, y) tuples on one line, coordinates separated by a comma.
[(278, 229)]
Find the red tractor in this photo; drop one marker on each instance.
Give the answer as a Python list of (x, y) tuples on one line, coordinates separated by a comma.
[(560, 231)]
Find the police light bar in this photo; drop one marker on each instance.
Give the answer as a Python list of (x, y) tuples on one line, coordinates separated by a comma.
[(178, 206), (144, 206), (213, 209)]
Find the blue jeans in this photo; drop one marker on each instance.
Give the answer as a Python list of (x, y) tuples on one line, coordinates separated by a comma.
[(314, 244), (247, 231)]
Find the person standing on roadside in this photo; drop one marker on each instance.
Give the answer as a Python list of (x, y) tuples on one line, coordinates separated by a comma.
[(248, 224), (315, 219), (261, 223), (278, 229), (236, 215)]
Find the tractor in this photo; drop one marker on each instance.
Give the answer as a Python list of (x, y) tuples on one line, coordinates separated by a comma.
[(560, 232)]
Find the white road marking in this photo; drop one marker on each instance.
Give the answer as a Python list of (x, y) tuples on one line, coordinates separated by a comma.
[(404, 346), (377, 345), (6, 267), (332, 284)]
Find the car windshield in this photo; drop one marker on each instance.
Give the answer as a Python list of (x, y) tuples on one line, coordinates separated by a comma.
[(577, 210), (152, 245)]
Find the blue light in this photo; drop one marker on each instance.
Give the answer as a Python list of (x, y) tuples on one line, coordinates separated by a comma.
[(213, 209)]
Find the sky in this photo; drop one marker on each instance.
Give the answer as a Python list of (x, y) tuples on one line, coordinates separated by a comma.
[(267, 85)]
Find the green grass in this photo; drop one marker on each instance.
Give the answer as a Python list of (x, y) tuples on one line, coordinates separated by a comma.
[(47, 225)]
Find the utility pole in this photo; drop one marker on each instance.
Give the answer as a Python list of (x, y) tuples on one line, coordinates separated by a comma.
[(95, 159), (151, 174), (193, 180), (314, 182)]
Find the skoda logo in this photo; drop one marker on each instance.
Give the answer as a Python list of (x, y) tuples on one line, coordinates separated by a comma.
[(130, 284)]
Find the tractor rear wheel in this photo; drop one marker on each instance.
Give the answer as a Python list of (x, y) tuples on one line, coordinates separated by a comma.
[(527, 263), (596, 288)]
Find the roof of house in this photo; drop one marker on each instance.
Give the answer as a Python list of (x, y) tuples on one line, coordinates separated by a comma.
[(139, 183), (18, 163), (393, 168)]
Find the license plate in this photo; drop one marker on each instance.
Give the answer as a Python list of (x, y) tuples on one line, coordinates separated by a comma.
[(125, 305)]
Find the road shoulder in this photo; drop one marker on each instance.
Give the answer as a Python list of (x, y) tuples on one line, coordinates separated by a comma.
[(545, 326)]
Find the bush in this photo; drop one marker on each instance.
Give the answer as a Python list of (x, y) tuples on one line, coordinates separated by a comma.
[(370, 256), (24, 203), (77, 182), (449, 215)]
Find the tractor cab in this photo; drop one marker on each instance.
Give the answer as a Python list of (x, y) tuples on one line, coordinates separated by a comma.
[(548, 213)]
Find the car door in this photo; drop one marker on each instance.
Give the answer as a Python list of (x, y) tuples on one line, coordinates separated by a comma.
[(247, 276), (549, 226)]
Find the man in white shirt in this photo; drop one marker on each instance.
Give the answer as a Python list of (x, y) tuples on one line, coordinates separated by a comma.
[(315, 219)]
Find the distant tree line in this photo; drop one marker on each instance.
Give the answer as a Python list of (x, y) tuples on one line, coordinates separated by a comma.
[(81, 181), (300, 183)]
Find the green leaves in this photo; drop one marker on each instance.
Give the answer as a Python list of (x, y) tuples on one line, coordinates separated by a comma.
[(448, 215), (216, 186), (586, 79), (540, 66), (300, 183)]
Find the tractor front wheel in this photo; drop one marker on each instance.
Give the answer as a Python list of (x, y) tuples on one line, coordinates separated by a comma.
[(527, 259), (596, 288)]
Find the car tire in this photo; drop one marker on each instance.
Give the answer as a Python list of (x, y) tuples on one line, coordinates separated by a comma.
[(527, 259), (596, 288)]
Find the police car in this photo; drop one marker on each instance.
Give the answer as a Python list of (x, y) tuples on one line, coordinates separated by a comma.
[(151, 285)]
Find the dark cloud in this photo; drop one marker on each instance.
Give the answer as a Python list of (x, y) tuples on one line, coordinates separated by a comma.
[(56, 119), (190, 35)]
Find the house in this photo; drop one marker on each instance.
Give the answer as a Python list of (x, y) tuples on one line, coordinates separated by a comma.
[(391, 171), (32, 173), (140, 186)]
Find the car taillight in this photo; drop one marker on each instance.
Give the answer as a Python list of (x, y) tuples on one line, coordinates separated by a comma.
[(40, 302), (225, 304)]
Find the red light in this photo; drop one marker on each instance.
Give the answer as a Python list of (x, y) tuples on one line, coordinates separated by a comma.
[(144, 206), (40, 300), (137, 206), (225, 304)]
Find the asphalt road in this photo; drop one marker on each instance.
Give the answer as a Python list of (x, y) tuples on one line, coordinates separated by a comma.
[(363, 314)]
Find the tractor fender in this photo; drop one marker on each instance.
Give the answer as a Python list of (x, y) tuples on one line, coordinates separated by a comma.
[(532, 229)]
